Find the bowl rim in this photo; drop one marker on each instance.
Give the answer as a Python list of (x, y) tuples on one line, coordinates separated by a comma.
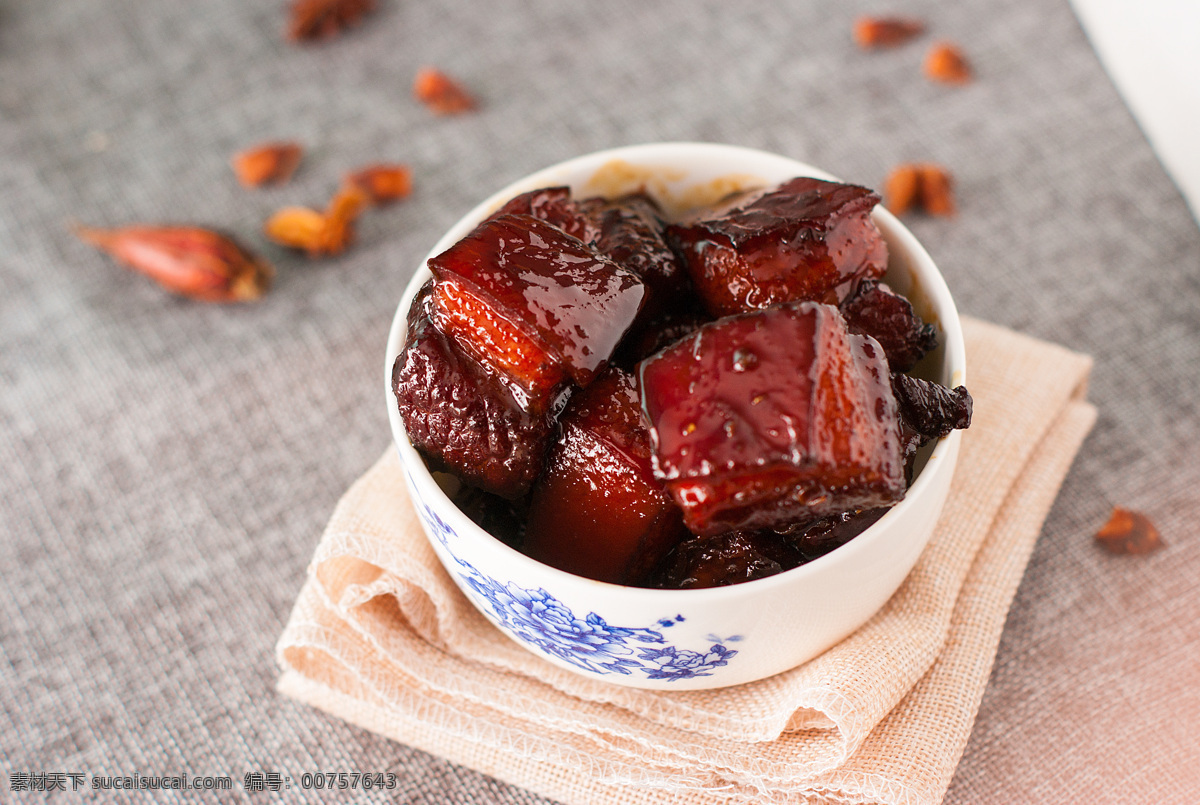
[(932, 283)]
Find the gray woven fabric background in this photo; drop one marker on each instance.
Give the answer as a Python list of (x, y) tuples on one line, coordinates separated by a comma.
[(166, 466)]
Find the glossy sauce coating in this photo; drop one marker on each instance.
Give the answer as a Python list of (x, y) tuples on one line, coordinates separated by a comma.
[(571, 304), (598, 510), (805, 240), (555, 206), (772, 418)]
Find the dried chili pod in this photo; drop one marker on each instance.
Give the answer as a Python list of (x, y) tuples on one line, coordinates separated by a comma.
[(187, 260)]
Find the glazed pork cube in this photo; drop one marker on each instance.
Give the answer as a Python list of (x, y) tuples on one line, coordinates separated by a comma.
[(806, 240), (460, 417), (555, 206), (773, 418), (533, 304), (598, 511)]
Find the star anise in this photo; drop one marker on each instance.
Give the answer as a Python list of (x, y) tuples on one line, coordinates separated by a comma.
[(322, 19)]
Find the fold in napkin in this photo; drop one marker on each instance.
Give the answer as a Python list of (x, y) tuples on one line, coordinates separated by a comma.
[(381, 637)]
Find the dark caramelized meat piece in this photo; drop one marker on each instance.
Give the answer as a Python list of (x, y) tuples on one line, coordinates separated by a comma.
[(724, 559), (737, 556), (875, 310), (598, 510), (928, 411), (461, 418), (533, 304), (931, 410), (822, 536), (805, 240), (772, 418), (555, 206), (631, 233), (502, 518), (646, 339)]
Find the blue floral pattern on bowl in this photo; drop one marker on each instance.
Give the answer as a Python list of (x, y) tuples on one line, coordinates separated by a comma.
[(537, 618)]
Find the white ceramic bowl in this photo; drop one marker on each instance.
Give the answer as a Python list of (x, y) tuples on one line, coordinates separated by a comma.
[(707, 638)]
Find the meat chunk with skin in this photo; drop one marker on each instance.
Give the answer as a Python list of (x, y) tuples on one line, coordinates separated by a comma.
[(598, 510), (806, 240), (535, 305), (773, 418), (460, 417), (555, 206)]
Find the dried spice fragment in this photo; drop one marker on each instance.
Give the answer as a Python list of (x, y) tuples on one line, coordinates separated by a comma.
[(442, 94), (1128, 532), (296, 228), (937, 191), (946, 63), (926, 186), (883, 32), (902, 188), (323, 19), (319, 233), (190, 261), (267, 163), (383, 182), (341, 213)]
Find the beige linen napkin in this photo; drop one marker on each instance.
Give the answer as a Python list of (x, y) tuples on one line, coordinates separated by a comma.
[(381, 637)]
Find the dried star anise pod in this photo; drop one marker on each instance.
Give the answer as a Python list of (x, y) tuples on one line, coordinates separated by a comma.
[(267, 163), (187, 260), (946, 63), (441, 93), (928, 186), (383, 183), (881, 32), (322, 19), (1128, 532)]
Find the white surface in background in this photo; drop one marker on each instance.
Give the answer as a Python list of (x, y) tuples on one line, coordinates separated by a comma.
[(1151, 49)]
